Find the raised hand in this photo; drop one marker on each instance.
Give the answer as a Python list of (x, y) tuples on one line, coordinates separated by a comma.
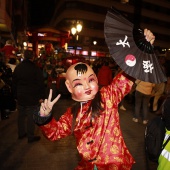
[(47, 105), (149, 36)]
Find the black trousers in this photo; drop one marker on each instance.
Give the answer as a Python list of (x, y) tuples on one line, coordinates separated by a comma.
[(141, 104), (26, 123)]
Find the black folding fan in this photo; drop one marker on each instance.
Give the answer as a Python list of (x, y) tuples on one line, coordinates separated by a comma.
[(130, 50)]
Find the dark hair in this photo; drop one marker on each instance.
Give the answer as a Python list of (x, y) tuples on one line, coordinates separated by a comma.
[(95, 107), (106, 63), (12, 61), (49, 67), (28, 54)]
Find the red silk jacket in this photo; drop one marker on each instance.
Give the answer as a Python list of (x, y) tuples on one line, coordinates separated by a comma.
[(101, 143)]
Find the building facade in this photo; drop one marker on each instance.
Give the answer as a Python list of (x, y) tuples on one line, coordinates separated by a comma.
[(13, 20), (150, 14)]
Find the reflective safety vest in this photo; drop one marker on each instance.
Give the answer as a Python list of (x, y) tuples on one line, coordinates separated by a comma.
[(164, 158)]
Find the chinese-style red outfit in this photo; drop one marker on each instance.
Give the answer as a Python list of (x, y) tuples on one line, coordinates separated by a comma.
[(99, 143)]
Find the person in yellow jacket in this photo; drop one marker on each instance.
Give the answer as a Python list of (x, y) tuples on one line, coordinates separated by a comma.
[(142, 98), (164, 158)]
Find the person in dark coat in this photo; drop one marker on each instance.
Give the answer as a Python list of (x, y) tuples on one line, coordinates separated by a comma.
[(28, 88)]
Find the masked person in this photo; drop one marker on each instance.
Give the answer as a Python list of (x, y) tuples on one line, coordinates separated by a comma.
[(94, 118)]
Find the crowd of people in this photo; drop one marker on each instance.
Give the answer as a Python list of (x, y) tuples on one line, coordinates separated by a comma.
[(54, 78)]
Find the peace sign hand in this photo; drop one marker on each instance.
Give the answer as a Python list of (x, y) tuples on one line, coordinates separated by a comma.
[(47, 105)]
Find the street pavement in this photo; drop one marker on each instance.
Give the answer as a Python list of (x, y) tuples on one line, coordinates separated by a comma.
[(17, 154)]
